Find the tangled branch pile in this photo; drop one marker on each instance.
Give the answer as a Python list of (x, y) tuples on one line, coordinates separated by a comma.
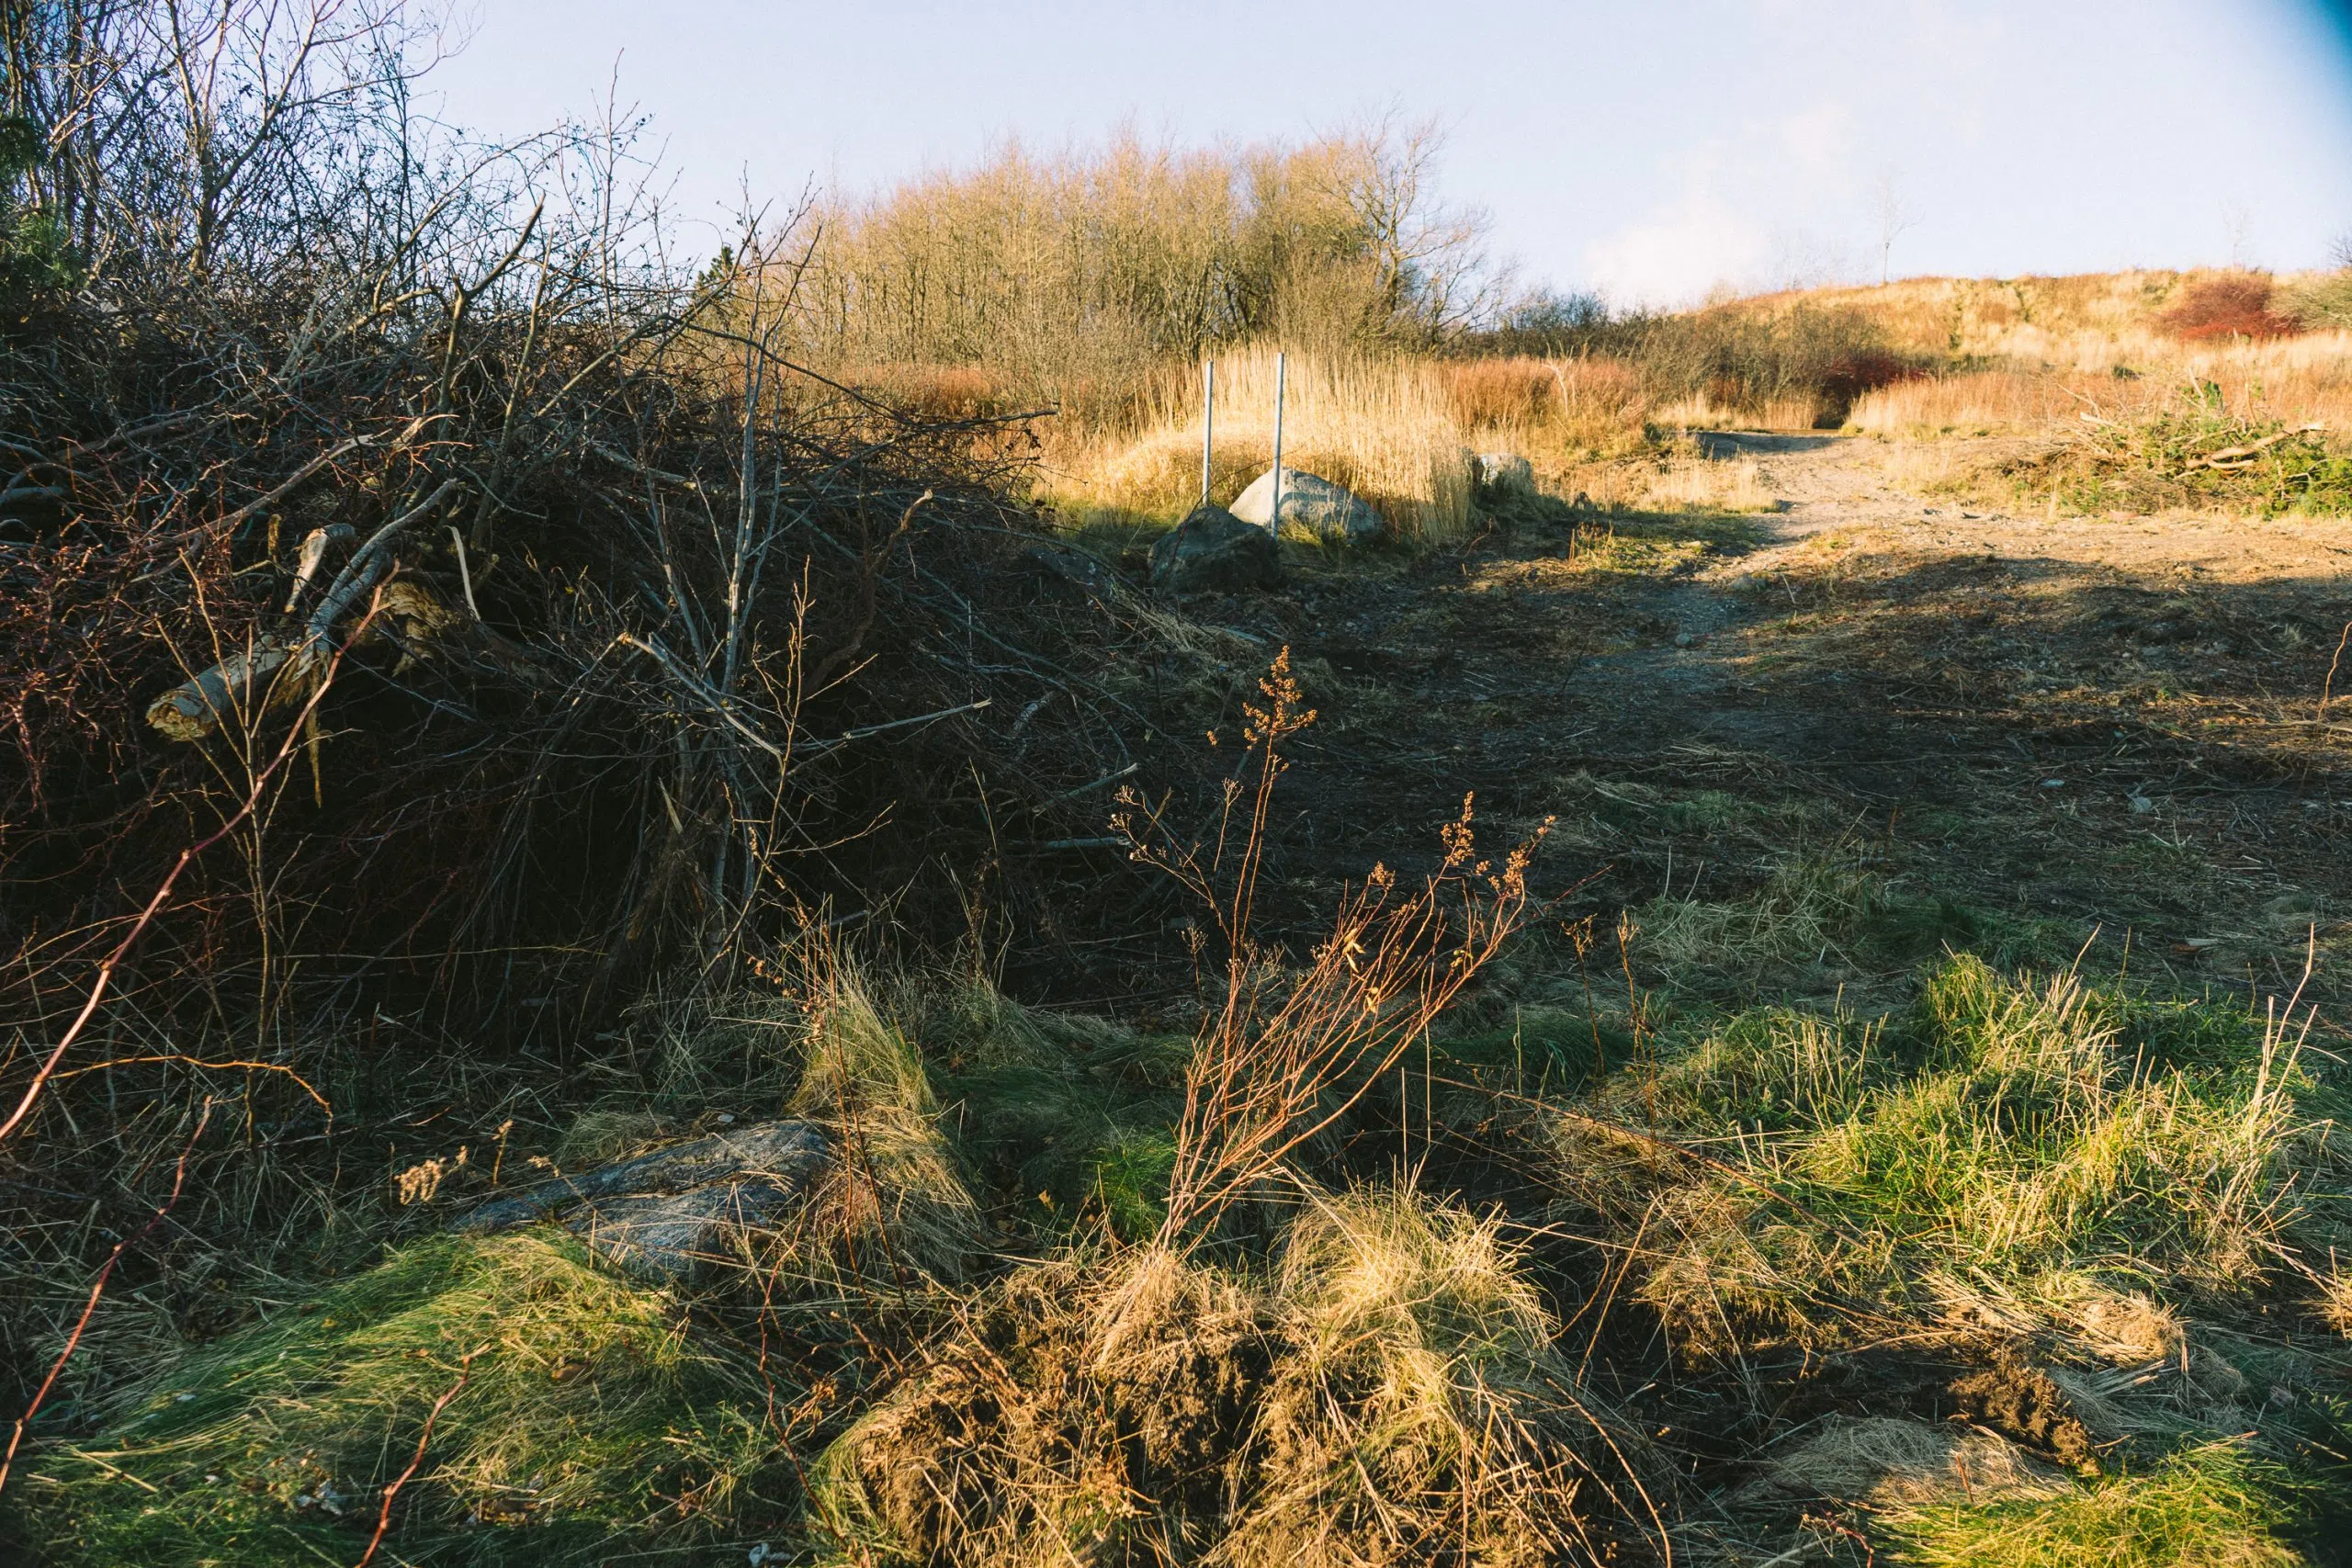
[(606, 592), (428, 613)]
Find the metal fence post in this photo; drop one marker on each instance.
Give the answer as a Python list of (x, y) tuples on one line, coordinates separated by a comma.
[(1274, 513), (1209, 422)]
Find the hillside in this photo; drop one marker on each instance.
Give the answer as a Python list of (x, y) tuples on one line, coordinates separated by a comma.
[(2050, 319)]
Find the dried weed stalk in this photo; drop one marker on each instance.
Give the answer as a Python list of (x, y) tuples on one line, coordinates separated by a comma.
[(1287, 1055)]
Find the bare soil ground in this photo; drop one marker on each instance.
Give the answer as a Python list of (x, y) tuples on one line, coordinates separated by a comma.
[(2074, 726)]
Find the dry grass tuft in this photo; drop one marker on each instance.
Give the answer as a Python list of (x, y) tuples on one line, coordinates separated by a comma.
[(1536, 406), (2298, 380), (1704, 410), (1812, 910), (2128, 1327), (2335, 1299), (1035, 1428), (1424, 1407)]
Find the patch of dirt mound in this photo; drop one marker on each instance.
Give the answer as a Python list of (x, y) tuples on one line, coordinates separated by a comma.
[(2023, 1402), (1184, 1405), (915, 1472), (1053, 1417)]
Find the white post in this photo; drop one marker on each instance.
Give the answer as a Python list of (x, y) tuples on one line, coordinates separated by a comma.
[(1209, 422), (1274, 513)]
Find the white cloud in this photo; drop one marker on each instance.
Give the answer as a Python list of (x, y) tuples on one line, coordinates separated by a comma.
[(1677, 256), (1820, 136), (1767, 204)]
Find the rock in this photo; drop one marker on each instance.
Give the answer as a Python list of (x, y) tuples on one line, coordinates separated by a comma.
[(1213, 550), (1502, 473), (672, 1212), (1898, 1461), (1326, 510)]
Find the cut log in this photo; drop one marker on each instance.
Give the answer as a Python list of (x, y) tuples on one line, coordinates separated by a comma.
[(195, 708)]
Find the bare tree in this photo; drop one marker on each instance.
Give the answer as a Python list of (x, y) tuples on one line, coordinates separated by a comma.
[(2237, 221), (1894, 215), (183, 129), (1430, 272)]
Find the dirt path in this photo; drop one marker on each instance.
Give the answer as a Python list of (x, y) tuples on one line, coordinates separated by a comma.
[(1838, 485), (2053, 725)]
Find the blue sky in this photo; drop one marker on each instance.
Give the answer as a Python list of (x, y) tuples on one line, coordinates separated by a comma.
[(1650, 148)]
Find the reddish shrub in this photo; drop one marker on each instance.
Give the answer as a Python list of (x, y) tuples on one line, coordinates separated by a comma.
[(1500, 391), (1848, 376), (2235, 305)]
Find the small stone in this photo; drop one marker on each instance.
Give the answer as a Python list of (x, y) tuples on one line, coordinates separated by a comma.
[(2141, 805), (670, 1212)]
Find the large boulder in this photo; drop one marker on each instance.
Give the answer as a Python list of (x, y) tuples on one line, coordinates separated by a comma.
[(673, 1212), (1502, 473), (1214, 551), (1310, 501)]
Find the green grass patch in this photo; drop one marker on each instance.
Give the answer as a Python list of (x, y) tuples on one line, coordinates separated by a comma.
[(2215, 1506), (1061, 1118), (1540, 1050), (1772, 1070), (2003, 1131), (592, 1421), (1817, 921)]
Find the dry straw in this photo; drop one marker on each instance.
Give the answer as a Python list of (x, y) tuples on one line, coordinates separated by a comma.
[(1381, 425)]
